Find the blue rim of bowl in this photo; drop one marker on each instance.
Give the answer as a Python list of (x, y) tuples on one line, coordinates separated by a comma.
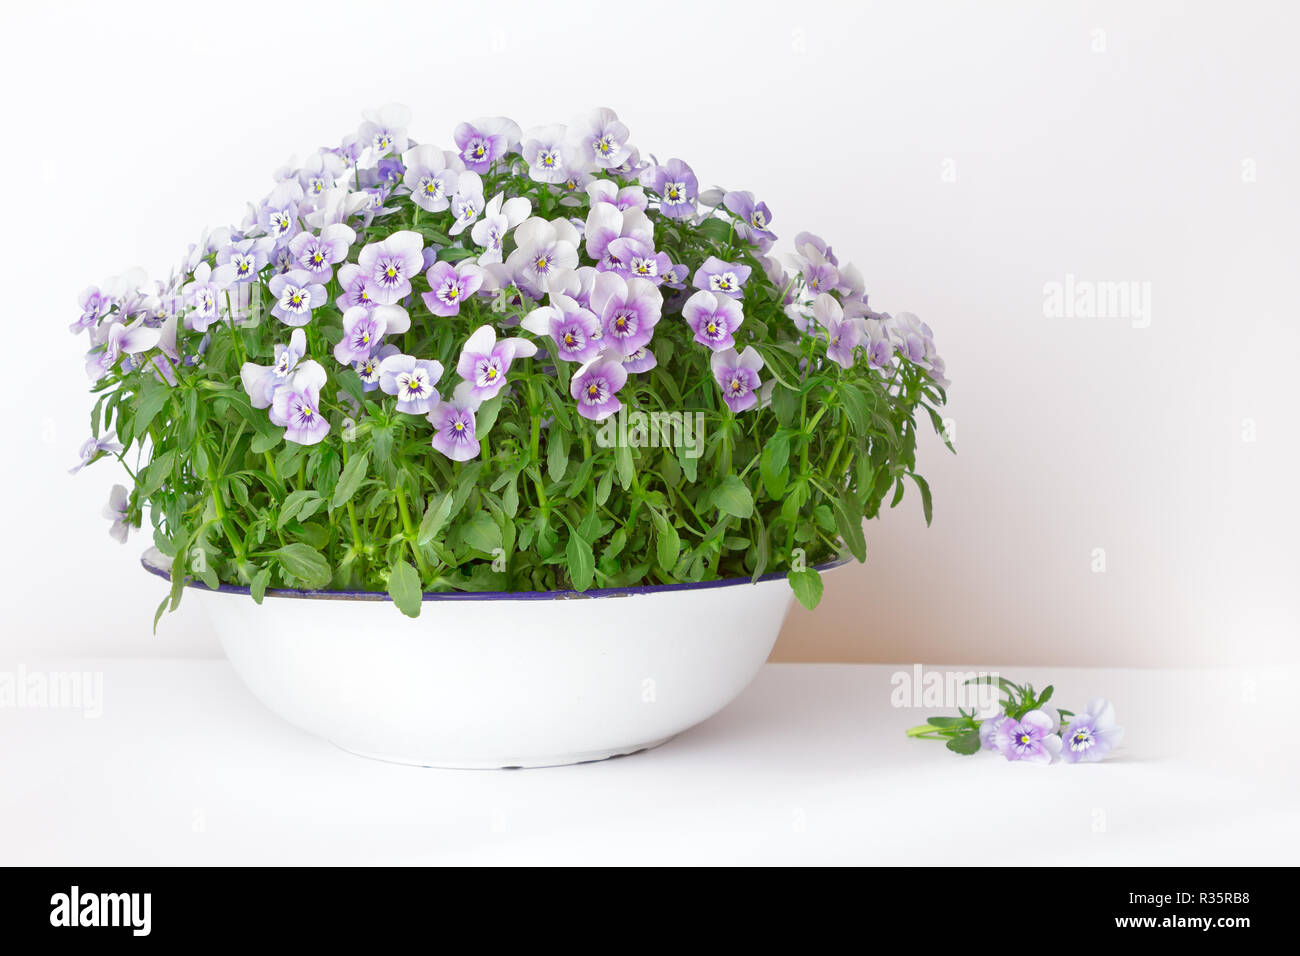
[(157, 569)]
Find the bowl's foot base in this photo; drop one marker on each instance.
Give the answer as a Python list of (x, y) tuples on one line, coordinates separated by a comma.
[(553, 760)]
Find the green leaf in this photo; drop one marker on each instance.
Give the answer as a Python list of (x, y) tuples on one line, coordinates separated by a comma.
[(510, 499), (944, 721), (404, 587), (668, 544), (785, 405), (157, 473), (807, 586), (157, 615), (257, 587), (795, 498), (557, 453), (623, 460), (150, 405), (381, 436), (965, 744), (435, 516), (482, 533), (762, 548), (486, 417), (716, 229), (774, 465), (264, 441), (866, 479), (927, 506), (616, 545), (582, 563), (465, 483), (855, 405), (305, 563), (350, 382), (293, 504), (603, 487), (354, 473), (849, 521), (733, 497)]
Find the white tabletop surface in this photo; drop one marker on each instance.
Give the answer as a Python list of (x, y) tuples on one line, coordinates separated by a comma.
[(809, 765)]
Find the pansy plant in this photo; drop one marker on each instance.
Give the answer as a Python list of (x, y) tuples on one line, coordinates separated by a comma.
[(281, 401), (1023, 730)]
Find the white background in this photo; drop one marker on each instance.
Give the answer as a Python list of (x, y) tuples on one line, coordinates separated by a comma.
[(962, 154)]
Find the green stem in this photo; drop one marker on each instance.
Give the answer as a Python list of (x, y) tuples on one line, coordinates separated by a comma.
[(409, 533), (223, 519)]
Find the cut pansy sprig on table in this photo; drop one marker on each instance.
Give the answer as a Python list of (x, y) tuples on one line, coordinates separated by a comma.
[(1024, 730), (526, 361)]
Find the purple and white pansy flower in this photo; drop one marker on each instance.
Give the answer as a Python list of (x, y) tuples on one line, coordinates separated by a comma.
[(364, 330), (318, 253), (278, 214), (726, 278), (574, 330), (595, 387), (484, 361), (296, 405), (92, 448), (319, 173), (94, 306), (609, 192), (880, 350), (737, 376), (356, 286), (548, 153), (467, 202), (121, 340), (1032, 738), (202, 298), (450, 284), (499, 217), (388, 267), (116, 512), (599, 140), (486, 140), (384, 129), (628, 309), (676, 185), (843, 335), (454, 425), (296, 293), (368, 368), (429, 178), (412, 380), (543, 250), (752, 217), (713, 318), (241, 262), (336, 205), (261, 381), (606, 225), (642, 360), (656, 267), (1092, 734)]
